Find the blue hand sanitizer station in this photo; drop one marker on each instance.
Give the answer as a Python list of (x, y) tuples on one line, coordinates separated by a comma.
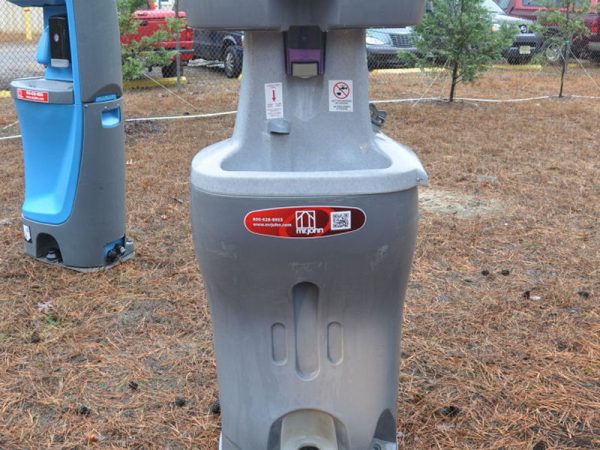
[(73, 138)]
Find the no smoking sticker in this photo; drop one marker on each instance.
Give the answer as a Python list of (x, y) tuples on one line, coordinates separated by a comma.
[(341, 96)]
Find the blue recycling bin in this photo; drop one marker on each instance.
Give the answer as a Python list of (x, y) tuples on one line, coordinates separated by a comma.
[(73, 138)]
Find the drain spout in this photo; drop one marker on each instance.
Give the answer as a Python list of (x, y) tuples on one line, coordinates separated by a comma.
[(308, 430)]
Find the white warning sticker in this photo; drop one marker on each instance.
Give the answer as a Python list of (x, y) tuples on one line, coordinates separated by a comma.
[(27, 233), (274, 100), (341, 96)]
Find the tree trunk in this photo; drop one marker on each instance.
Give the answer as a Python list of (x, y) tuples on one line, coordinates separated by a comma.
[(566, 49), (565, 63), (454, 81)]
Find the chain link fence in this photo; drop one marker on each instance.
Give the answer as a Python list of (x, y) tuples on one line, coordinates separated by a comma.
[(20, 29), (217, 58)]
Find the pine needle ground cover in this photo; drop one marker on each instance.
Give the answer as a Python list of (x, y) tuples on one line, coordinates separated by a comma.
[(501, 341)]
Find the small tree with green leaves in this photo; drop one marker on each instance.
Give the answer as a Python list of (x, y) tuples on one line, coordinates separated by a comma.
[(137, 56), (460, 34), (562, 22)]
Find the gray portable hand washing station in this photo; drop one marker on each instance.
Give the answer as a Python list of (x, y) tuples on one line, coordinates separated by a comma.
[(305, 224), (73, 139)]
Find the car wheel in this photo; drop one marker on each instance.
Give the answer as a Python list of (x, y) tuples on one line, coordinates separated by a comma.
[(170, 71), (232, 62), (553, 53)]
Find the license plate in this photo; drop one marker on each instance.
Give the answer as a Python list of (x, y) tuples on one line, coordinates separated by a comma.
[(524, 50)]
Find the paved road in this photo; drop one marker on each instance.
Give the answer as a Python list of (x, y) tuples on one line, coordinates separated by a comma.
[(18, 60)]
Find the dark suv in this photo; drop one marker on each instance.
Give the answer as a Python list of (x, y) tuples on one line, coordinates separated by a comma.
[(526, 43), (222, 46), (384, 46)]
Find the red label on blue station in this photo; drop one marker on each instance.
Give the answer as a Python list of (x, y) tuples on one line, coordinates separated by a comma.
[(305, 221), (33, 96)]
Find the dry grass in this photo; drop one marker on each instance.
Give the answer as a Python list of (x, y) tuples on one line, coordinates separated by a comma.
[(502, 82), (14, 38), (490, 361)]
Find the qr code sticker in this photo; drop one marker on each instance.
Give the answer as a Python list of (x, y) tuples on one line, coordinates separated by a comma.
[(341, 221)]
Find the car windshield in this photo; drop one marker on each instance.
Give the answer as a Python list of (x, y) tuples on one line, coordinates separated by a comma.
[(492, 7)]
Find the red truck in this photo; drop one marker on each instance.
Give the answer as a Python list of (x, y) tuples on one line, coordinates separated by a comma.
[(152, 20), (588, 46)]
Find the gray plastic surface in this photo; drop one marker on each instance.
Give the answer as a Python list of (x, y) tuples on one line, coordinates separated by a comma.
[(278, 126), (361, 279), (281, 14), (306, 327), (306, 330), (98, 216), (98, 48), (340, 148), (59, 92)]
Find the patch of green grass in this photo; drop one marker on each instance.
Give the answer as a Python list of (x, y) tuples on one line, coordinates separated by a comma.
[(53, 320)]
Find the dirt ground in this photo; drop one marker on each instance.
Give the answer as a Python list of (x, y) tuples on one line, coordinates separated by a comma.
[(501, 340)]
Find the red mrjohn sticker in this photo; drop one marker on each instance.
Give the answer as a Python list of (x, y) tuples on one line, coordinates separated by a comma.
[(32, 96), (305, 221)]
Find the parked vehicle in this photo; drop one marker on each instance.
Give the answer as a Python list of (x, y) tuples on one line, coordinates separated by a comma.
[(526, 43), (152, 20), (583, 47), (384, 45), (222, 46)]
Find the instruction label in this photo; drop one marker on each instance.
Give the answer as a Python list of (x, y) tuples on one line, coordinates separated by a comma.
[(274, 100), (32, 96), (305, 221), (341, 96)]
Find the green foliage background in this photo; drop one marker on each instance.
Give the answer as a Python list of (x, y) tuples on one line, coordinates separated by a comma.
[(137, 56), (460, 35), (561, 23)]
